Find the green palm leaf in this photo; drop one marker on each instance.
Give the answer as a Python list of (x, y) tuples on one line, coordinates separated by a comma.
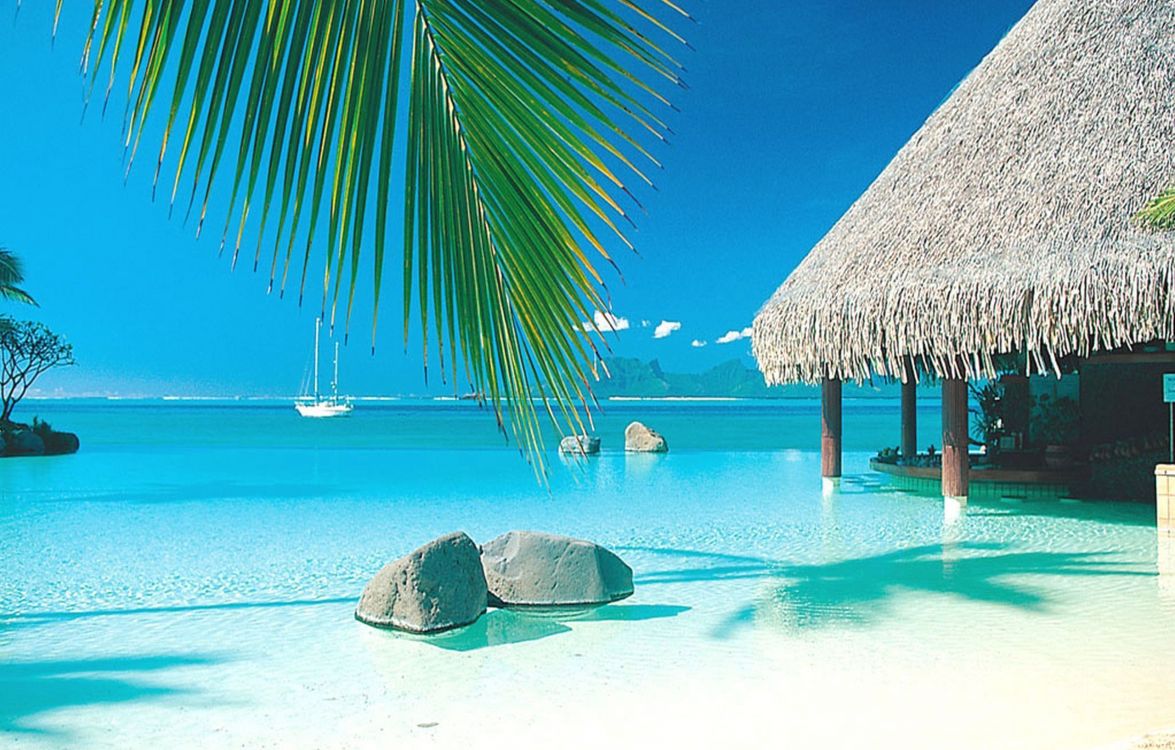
[(12, 274), (525, 121), (1160, 212)]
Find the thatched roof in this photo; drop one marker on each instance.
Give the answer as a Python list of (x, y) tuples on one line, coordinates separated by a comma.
[(1005, 223)]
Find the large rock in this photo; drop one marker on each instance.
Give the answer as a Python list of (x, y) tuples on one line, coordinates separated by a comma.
[(641, 439), (61, 443), (580, 445), (25, 443), (536, 569), (438, 587)]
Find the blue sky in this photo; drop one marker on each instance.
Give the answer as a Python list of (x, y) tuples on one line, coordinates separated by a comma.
[(794, 107)]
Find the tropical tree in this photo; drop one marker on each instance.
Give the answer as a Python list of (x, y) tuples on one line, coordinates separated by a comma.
[(11, 276), (1160, 212), (27, 351), (519, 125)]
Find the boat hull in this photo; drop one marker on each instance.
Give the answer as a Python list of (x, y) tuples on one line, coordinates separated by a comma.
[(324, 410)]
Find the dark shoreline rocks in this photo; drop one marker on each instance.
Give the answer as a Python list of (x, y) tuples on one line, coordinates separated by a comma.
[(534, 569), (25, 443), (61, 443), (438, 587), (20, 440)]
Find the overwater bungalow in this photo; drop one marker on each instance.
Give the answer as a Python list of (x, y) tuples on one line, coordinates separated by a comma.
[(998, 247)]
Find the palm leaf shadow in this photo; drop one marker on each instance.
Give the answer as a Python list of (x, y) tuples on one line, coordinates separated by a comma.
[(31, 689), (861, 590)]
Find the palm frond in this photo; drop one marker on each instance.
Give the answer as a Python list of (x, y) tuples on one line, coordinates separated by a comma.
[(11, 274), (1159, 213), (525, 121)]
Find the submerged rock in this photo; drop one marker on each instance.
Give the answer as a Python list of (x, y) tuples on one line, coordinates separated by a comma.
[(641, 439), (537, 569), (580, 445), (25, 443), (61, 443), (438, 587)]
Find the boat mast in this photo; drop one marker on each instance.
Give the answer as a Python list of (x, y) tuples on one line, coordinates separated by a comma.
[(317, 325), (334, 384)]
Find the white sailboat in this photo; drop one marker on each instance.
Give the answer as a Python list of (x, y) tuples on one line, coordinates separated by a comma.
[(329, 406)]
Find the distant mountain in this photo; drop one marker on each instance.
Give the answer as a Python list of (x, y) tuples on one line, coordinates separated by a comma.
[(630, 377), (634, 378)]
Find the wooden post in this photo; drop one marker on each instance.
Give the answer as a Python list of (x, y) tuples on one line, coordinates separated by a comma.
[(909, 414), (955, 469), (830, 428)]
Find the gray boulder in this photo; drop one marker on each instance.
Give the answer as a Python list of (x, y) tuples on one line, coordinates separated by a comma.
[(438, 587), (26, 443), (536, 569), (641, 439), (580, 445)]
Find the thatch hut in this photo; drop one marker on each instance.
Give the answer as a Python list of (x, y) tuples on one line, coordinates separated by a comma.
[(1004, 225)]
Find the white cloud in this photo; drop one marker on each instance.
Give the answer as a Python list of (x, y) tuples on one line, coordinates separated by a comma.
[(605, 321), (646, 323), (666, 327), (697, 344), (730, 336)]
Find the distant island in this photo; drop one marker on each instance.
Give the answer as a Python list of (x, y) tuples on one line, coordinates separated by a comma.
[(628, 377)]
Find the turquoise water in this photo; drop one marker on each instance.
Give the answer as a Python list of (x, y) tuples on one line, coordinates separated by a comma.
[(189, 578)]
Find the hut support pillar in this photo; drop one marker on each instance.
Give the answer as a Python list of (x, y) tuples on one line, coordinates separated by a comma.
[(830, 430), (955, 468), (909, 414)]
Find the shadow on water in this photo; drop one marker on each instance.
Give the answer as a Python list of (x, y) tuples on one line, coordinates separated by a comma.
[(29, 689), (501, 627), (859, 590), (28, 619)]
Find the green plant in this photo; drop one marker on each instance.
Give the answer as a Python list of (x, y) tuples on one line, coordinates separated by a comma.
[(11, 276), (526, 121), (999, 411), (1159, 213), (988, 424), (1057, 420)]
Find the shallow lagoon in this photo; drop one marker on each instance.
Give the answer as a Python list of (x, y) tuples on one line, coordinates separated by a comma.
[(189, 579)]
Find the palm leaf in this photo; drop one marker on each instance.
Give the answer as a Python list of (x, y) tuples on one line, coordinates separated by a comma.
[(1160, 212), (11, 274), (526, 119)]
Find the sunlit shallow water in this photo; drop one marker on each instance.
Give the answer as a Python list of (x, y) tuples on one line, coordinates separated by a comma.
[(189, 579)]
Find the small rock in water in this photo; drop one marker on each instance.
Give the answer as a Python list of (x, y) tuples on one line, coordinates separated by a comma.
[(438, 587), (529, 568), (580, 445), (639, 438)]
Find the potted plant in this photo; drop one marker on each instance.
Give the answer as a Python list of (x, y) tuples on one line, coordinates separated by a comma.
[(988, 424)]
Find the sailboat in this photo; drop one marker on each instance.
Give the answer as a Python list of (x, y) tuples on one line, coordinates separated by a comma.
[(319, 406)]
